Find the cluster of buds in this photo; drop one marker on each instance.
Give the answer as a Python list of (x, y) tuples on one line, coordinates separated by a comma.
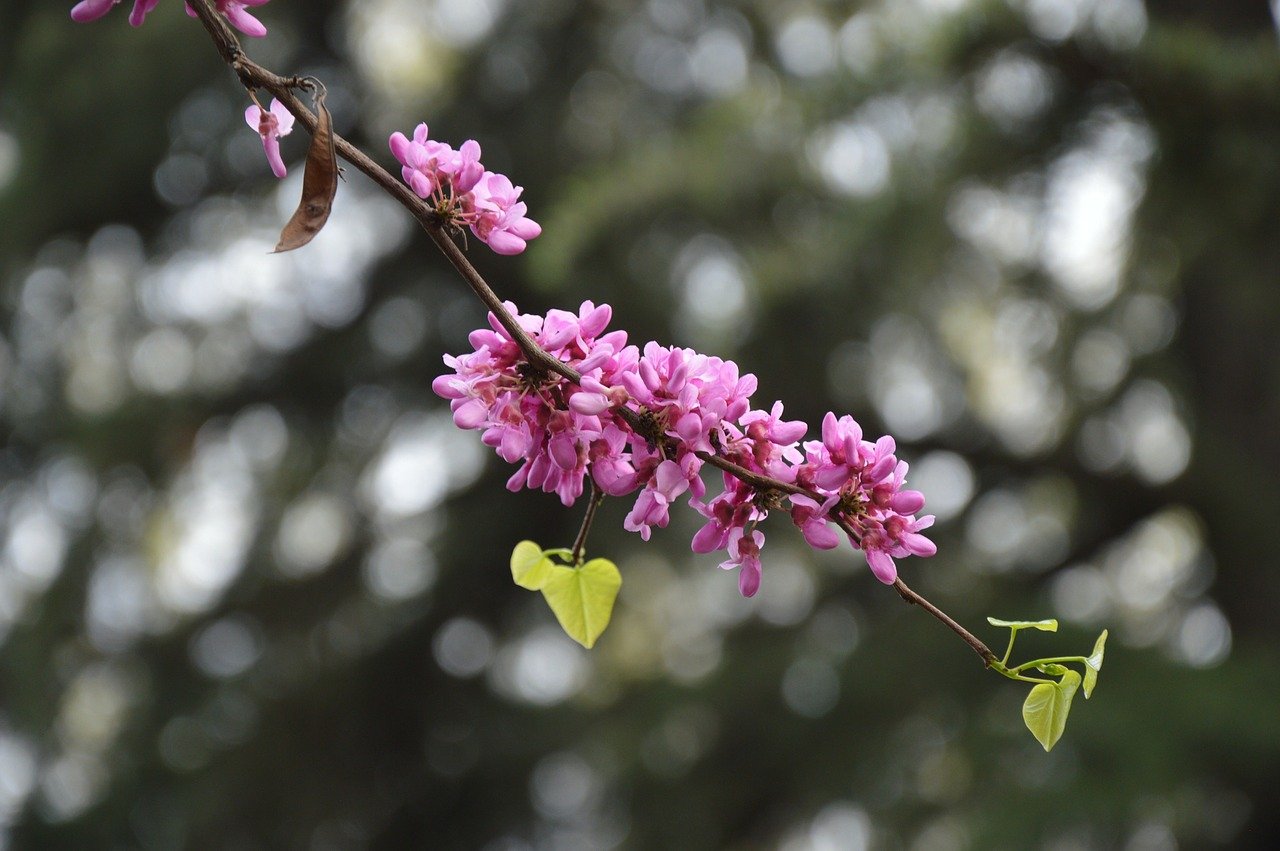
[(463, 192), (234, 10), (648, 420)]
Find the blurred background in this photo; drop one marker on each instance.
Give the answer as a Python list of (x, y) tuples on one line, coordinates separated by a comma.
[(253, 584)]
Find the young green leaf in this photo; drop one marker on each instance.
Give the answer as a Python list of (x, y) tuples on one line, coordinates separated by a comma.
[(1093, 665), (1050, 625), (529, 566), (1046, 708), (582, 598)]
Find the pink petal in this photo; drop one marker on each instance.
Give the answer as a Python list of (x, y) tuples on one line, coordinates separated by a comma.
[(919, 545), (243, 21), (253, 116), (525, 228), (447, 386), (588, 403), (749, 578), (882, 566), (470, 414), (399, 147), (710, 538), (564, 451), (819, 535), (141, 8), (271, 144), (505, 243), (907, 502), (284, 117), (90, 10)]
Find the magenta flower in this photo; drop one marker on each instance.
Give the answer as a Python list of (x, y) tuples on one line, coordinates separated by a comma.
[(560, 432), (91, 10), (234, 12), (651, 508), (271, 125), (812, 520), (744, 553), (424, 163), (498, 217), (462, 192), (897, 537)]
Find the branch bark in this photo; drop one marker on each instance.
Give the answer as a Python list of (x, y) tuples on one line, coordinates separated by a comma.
[(254, 77)]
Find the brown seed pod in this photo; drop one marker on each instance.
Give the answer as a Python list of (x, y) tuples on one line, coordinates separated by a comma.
[(319, 184)]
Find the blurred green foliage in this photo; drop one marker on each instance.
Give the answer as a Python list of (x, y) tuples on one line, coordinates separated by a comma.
[(254, 588)]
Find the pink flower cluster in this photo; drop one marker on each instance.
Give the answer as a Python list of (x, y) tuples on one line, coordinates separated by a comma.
[(685, 407), (234, 10), (463, 192)]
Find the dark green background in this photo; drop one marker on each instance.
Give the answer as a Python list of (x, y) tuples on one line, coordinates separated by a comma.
[(245, 603)]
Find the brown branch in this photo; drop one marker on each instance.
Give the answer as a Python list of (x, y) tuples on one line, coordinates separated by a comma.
[(969, 638), (253, 76)]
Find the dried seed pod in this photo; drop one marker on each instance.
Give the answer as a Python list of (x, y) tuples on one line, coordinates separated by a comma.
[(319, 184)]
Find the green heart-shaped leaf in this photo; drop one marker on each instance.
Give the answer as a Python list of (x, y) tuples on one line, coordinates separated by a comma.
[(529, 566), (1047, 706), (1093, 665), (582, 598), (1050, 625)]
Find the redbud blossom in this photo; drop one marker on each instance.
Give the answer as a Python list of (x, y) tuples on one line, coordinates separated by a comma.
[(463, 193), (744, 553), (691, 405), (91, 10), (239, 18), (271, 125)]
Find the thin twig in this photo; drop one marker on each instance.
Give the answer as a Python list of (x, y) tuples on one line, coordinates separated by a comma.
[(988, 658), (597, 497), (254, 76)]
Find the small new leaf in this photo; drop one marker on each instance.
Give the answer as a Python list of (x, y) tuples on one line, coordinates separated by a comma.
[(1047, 706), (1050, 625), (529, 566), (582, 598), (1093, 665)]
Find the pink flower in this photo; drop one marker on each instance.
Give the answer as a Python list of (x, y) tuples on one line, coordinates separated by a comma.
[(498, 217), (271, 125), (423, 161), (560, 431), (239, 18), (744, 553), (812, 520), (462, 192), (91, 10), (897, 537), (242, 20), (651, 508)]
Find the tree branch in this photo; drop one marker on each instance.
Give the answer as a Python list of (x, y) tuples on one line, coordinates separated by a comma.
[(253, 76)]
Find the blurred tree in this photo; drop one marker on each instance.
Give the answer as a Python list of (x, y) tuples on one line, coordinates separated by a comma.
[(253, 585)]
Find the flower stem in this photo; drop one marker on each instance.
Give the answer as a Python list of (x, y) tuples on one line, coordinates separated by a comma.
[(1008, 651), (983, 651), (1051, 659), (597, 497)]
